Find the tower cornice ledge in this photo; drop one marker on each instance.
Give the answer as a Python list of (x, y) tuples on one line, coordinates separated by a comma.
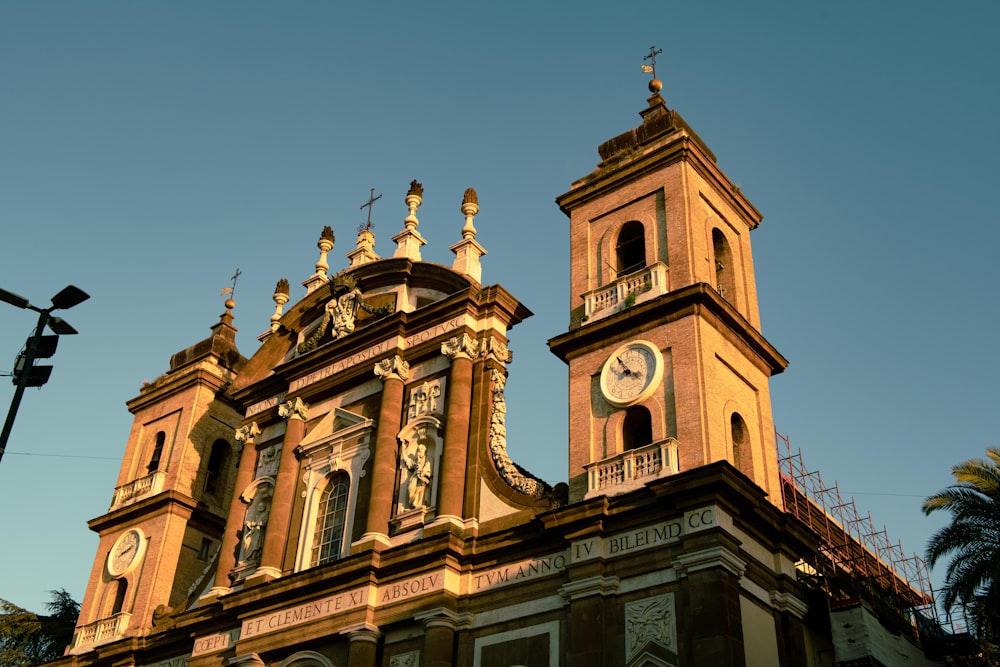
[(629, 166), (700, 299)]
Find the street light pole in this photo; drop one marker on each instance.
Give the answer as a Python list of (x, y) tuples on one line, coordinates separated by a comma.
[(22, 380), (25, 373)]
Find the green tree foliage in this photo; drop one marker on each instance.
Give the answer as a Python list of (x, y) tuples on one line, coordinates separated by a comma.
[(27, 639), (972, 540)]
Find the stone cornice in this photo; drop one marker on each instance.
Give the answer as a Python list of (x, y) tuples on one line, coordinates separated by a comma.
[(698, 299)]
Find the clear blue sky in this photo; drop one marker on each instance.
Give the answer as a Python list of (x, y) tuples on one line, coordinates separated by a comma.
[(147, 150)]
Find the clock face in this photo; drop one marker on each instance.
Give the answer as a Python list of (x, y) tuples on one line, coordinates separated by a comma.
[(125, 552), (632, 373)]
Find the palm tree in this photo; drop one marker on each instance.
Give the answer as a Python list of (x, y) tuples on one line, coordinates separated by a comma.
[(972, 540)]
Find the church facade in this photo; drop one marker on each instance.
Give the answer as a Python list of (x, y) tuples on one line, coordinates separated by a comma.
[(344, 497)]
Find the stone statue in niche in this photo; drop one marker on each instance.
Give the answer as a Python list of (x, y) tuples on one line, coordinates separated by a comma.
[(416, 467), (254, 523), (420, 477)]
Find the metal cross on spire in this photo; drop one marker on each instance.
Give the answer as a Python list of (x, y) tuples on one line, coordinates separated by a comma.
[(372, 198), (651, 67), (231, 291)]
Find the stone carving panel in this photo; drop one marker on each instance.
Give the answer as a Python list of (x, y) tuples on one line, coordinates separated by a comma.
[(650, 620)]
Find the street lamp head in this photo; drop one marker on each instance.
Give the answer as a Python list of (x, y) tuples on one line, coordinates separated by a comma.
[(68, 297), (61, 326), (13, 299)]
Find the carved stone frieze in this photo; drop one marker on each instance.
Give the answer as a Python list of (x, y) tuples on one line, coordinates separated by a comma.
[(425, 399), (460, 347), (245, 435), (497, 351), (650, 620), (392, 368), (498, 443), (294, 409)]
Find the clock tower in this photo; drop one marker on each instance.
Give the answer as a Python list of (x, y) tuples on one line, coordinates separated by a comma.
[(668, 369)]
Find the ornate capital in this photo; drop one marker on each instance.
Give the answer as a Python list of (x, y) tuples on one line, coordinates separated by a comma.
[(393, 368), (460, 347), (245, 434), (444, 618), (497, 351), (294, 409)]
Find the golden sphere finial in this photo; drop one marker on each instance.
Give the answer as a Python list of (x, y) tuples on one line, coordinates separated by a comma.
[(655, 86)]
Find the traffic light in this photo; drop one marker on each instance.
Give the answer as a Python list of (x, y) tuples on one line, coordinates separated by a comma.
[(36, 376)]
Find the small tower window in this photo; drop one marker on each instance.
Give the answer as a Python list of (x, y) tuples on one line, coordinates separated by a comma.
[(637, 428), (725, 277), (630, 252), (154, 460), (330, 522), (121, 587), (741, 445), (216, 464)]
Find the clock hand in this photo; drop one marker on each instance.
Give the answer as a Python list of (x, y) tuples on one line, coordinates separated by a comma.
[(628, 371)]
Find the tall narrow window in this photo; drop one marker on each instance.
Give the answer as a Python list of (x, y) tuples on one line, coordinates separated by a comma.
[(216, 464), (330, 519), (154, 460), (630, 252), (725, 276), (637, 428), (121, 587), (741, 445)]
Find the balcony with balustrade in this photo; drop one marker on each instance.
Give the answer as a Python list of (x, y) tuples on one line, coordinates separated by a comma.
[(632, 469), (647, 283), (146, 486), (100, 632)]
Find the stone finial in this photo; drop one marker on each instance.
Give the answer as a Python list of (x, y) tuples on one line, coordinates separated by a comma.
[(280, 299), (409, 241), (470, 206), (325, 245), (468, 251)]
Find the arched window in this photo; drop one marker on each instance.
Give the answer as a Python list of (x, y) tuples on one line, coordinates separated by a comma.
[(154, 460), (741, 445), (630, 252), (725, 276), (637, 428), (121, 587), (216, 464), (330, 520)]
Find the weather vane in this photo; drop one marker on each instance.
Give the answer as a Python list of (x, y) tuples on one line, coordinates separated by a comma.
[(231, 291), (372, 198), (651, 67)]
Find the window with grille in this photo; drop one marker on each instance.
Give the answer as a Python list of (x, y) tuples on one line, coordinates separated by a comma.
[(330, 520)]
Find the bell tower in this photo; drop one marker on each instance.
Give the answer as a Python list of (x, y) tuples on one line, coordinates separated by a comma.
[(668, 369), (162, 533)]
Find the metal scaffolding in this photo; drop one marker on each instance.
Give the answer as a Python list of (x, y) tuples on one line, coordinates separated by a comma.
[(852, 548)]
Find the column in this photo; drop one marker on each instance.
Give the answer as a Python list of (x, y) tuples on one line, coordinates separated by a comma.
[(393, 372), (586, 623), (363, 648), (461, 350), (276, 534), (710, 579), (234, 522), (440, 626)]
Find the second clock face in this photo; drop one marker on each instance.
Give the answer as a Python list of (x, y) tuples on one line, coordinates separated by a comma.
[(125, 553), (631, 373)]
